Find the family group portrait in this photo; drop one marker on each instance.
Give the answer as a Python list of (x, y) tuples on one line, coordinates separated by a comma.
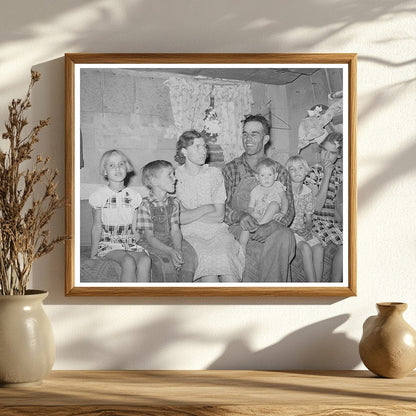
[(211, 175)]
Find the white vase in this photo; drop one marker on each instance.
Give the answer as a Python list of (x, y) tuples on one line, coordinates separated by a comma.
[(27, 346)]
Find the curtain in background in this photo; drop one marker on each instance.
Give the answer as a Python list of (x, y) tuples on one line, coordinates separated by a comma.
[(190, 97)]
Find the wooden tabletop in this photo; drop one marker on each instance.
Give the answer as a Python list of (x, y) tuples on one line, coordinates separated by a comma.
[(253, 393)]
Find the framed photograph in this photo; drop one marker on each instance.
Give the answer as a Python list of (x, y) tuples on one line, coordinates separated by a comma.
[(211, 174)]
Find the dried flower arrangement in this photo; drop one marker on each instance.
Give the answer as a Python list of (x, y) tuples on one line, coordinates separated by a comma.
[(28, 199)]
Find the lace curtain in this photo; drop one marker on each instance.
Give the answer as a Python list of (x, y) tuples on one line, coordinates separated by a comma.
[(190, 97)]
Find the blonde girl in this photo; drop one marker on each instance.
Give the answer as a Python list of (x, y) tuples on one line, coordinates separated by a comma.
[(310, 247), (113, 235)]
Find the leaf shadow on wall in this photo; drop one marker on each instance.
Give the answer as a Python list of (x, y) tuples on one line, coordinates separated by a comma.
[(124, 347), (313, 347), (393, 167), (397, 166), (105, 26), (153, 344)]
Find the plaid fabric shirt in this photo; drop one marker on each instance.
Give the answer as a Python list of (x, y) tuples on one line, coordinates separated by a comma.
[(233, 172), (144, 218), (315, 177)]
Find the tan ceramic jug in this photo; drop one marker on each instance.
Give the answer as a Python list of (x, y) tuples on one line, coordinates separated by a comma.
[(388, 345), (27, 347)]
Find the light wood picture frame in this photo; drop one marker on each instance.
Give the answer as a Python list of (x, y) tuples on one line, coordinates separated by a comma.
[(132, 102)]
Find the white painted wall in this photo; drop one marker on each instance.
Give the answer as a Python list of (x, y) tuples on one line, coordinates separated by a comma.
[(200, 333)]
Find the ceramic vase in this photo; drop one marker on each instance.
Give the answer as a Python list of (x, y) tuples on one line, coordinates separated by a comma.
[(27, 347), (388, 345)]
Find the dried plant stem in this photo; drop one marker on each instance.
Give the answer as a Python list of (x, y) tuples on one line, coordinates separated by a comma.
[(24, 216)]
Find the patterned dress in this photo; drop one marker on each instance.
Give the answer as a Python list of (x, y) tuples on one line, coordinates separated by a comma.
[(117, 211), (325, 225), (304, 204), (217, 250)]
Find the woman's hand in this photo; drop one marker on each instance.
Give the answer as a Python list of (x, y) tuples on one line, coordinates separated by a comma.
[(194, 214), (209, 207), (278, 216), (206, 208), (328, 167), (216, 216)]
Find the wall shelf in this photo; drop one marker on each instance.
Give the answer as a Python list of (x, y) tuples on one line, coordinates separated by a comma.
[(213, 392)]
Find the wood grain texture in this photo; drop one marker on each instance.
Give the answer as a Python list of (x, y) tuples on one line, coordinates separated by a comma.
[(69, 174), (213, 393), (218, 291), (210, 411), (352, 178), (71, 60), (211, 58)]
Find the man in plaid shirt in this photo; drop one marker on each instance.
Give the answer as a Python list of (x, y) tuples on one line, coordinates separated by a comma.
[(271, 247)]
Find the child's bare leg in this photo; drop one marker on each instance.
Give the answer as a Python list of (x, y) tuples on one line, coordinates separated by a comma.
[(143, 265), (337, 264), (272, 209), (127, 263), (307, 258), (318, 261), (228, 278), (208, 279), (244, 237)]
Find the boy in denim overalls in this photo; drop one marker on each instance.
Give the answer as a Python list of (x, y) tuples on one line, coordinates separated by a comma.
[(158, 219)]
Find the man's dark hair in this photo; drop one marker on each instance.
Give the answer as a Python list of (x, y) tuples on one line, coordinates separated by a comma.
[(259, 118)]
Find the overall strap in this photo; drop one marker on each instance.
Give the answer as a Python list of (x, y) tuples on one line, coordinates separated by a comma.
[(170, 208), (152, 207), (242, 171)]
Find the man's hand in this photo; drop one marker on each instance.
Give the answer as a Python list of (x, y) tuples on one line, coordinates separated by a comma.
[(248, 223), (264, 231)]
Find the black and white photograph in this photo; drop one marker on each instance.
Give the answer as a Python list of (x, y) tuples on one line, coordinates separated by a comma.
[(195, 175)]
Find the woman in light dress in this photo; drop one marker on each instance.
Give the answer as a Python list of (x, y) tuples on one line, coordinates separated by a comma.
[(201, 192)]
